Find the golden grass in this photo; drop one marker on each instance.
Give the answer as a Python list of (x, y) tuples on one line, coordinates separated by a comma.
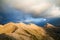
[(21, 31)]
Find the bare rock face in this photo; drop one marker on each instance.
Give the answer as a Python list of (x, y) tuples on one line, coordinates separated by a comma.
[(21, 31)]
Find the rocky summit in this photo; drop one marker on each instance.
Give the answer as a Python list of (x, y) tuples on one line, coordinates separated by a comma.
[(22, 31)]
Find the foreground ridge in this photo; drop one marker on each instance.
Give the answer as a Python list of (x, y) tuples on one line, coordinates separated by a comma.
[(22, 31)]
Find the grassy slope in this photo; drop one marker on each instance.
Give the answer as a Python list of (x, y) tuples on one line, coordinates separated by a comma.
[(21, 31)]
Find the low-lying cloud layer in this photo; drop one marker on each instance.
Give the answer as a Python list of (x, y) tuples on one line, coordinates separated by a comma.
[(29, 5), (35, 6)]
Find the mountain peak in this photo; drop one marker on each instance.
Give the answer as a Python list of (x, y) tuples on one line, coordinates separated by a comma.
[(48, 25)]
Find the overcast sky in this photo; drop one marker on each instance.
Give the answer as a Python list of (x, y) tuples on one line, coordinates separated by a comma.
[(44, 8)]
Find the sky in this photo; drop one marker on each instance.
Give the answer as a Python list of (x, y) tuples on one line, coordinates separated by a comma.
[(30, 11)]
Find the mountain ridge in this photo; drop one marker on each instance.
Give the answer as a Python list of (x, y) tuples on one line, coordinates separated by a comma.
[(22, 31)]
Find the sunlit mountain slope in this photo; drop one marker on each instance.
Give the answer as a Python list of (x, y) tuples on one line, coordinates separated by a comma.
[(22, 31)]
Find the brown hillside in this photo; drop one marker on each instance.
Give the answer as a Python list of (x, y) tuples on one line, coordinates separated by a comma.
[(21, 31)]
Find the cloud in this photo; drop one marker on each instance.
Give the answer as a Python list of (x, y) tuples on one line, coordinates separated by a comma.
[(53, 12), (35, 6)]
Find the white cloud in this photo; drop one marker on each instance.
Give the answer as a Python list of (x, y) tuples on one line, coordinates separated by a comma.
[(52, 12), (35, 6), (55, 11)]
